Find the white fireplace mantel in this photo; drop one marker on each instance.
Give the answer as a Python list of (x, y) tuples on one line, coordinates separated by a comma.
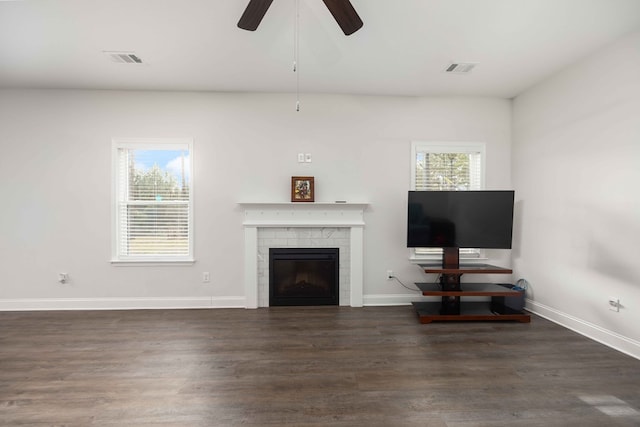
[(303, 214)]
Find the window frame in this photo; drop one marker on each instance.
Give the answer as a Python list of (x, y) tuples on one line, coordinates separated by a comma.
[(462, 147), (148, 144)]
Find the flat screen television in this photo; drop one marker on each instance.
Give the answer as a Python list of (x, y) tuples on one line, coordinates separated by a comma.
[(460, 219)]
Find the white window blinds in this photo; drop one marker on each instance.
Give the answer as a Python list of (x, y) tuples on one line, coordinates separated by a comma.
[(153, 197), (439, 167), (455, 166)]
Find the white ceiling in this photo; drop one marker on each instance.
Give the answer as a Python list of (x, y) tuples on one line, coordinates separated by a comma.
[(402, 49)]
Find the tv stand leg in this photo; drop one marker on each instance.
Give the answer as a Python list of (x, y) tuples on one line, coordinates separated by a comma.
[(450, 282), (450, 304)]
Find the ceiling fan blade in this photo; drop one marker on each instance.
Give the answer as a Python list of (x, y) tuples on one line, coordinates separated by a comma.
[(345, 15), (253, 14)]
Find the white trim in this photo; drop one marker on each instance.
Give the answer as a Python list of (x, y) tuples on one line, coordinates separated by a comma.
[(251, 266), (278, 214), (303, 214), (149, 144), (33, 304), (356, 269), (311, 223), (604, 336), (417, 259), (151, 263), (361, 205), (377, 300)]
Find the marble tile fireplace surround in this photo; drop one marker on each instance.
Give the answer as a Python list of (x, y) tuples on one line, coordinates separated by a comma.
[(303, 225)]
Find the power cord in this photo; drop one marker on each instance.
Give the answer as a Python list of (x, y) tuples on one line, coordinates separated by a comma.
[(394, 277), (405, 286)]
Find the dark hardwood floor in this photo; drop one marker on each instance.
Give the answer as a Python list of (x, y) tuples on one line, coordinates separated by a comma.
[(305, 366)]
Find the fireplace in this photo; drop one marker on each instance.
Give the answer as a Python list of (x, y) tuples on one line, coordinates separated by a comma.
[(303, 276), (303, 225)]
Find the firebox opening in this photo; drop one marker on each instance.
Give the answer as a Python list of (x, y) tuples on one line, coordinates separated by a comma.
[(303, 276)]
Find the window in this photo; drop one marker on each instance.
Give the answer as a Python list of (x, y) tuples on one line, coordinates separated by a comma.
[(437, 166), (152, 200)]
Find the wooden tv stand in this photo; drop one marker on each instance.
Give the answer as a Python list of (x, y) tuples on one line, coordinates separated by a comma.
[(451, 290)]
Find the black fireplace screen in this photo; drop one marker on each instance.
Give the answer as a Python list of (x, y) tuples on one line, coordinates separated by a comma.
[(303, 276)]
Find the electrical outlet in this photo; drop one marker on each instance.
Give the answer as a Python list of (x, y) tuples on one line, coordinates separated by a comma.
[(206, 277), (614, 304), (389, 274)]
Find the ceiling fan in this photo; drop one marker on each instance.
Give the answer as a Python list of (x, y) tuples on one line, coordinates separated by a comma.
[(342, 10)]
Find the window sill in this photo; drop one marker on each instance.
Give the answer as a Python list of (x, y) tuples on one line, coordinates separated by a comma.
[(152, 263), (417, 259)]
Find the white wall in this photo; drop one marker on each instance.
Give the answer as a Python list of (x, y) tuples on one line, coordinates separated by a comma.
[(55, 183), (576, 168)]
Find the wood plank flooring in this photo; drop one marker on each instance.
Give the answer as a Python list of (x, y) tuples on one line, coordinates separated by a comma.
[(305, 366)]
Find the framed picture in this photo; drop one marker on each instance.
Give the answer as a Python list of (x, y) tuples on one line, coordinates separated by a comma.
[(302, 189)]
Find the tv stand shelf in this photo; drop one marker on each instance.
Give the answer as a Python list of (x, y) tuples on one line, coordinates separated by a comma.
[(451, 290), (469, 311), (467, 289), (465, 268)]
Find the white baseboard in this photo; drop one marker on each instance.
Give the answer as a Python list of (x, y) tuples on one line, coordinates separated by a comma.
[(604, 336), (391, 299), (35, 304)]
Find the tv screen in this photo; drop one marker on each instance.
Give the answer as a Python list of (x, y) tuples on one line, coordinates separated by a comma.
[(460, 219)]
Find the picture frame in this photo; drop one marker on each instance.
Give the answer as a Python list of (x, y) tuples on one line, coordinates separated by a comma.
[(302, 189)]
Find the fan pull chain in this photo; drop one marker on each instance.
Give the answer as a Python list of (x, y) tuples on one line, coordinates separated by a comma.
[(296, 52)]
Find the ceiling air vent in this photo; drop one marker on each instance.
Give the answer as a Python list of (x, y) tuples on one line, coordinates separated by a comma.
[(461, 67), (124, 57)]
